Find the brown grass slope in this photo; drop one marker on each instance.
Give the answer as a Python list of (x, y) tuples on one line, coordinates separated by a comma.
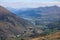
[(54, 36)]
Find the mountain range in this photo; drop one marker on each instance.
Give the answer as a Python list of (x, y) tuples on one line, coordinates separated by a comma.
[(39, 16)]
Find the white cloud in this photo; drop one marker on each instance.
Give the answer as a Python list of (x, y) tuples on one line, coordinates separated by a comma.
[(29, 5)]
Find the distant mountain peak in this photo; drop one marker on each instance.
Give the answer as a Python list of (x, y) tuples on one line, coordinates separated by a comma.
[(54, 6)]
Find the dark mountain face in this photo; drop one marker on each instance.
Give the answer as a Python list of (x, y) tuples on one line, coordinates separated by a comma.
[(10, 24)]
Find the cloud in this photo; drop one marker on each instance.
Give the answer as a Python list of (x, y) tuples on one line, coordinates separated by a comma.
[(29, 4), (29, 0)]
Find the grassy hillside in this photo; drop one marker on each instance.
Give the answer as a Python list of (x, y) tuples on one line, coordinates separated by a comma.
[(54, 36)]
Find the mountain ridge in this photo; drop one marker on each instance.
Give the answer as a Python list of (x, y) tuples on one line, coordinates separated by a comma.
[(10, 24)]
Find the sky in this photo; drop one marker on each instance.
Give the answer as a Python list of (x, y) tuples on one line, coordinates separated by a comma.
[(29, 0), (28, 3)]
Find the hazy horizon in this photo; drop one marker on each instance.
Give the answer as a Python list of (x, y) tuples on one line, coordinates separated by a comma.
[(29, 3)]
